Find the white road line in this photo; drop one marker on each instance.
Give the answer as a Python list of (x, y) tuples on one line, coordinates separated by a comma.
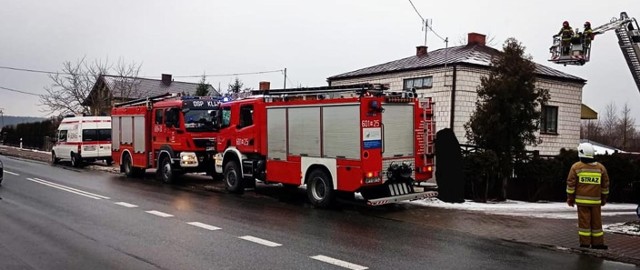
[(340, 263), (53, 186), (11, 173), (204, 226), (259, 241), (128, 205), (158, 213), (74, 189)]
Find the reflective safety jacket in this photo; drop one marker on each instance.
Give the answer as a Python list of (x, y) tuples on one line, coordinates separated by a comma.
[(566, 33), (588, 182)]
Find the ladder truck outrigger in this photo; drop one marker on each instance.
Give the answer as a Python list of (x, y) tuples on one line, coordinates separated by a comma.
[(579, 51), (335, 140), (172, 133)]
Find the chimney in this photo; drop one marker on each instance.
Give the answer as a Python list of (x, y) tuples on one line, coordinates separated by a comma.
[(476, 39), (421, 51), (264, 86), (166, 79)]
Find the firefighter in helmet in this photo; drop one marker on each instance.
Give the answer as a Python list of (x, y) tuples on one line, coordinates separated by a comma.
[(588, 187), (566, 33), (588, 35)]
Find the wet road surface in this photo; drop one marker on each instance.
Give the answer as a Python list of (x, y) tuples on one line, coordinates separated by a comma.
[(62, 218)]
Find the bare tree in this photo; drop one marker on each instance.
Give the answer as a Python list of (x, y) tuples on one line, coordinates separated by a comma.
[(609, 124), (71, 86), (625, 127)]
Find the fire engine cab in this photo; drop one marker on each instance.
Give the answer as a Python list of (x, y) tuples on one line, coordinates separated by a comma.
[(335, 140), (171, 133)]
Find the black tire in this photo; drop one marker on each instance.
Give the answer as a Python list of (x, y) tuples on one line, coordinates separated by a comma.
[(54, 159), (165, 171), (128, 169), (233, 177), (320, 189), (76, 161)]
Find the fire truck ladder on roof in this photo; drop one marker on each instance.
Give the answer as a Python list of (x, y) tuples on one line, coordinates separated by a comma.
[(629, 41), (146, 100), (359, 89)]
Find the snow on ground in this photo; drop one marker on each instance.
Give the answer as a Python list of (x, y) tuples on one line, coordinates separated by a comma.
[(630, 228), (558, 210)]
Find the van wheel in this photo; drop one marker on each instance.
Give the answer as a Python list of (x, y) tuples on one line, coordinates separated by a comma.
[(233, 177), (54, 159), (76, 162), (320, 189)]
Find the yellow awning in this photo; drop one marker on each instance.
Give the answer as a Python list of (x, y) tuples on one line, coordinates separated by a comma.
[(587, 113)]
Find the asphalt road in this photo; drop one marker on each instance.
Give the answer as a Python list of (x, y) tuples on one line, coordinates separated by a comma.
[(62, 218)]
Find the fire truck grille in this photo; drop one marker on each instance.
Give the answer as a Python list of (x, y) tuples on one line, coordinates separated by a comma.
[(204, 142), (387, 162)]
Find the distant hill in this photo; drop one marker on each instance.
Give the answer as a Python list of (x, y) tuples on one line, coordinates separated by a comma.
[(10, 120)]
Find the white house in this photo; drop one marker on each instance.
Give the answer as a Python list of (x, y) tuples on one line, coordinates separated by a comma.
[(451, 77)]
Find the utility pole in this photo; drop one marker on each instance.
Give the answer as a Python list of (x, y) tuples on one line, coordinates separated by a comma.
[(285, 79), (2, 117)]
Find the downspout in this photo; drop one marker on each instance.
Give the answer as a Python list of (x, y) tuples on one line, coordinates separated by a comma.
[(453, 97)]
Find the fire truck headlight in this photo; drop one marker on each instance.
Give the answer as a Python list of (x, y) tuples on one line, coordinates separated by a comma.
[(188, 159)]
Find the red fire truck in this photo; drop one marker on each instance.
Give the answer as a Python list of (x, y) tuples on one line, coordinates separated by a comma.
[(172, 133), (335, 140)]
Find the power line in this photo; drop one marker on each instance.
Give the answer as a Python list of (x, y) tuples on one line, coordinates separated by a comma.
[(414, 8), (175, 76), (19, 91)]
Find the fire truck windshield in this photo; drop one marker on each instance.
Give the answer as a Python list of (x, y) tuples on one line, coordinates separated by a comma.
[(200, 120)]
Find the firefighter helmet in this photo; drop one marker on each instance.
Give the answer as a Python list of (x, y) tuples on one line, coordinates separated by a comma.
[(565, 23), (587, 24), (585, 150)]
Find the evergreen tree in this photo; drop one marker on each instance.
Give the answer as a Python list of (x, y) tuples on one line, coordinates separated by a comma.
[(236, 86), (508, 109), (203, 87)]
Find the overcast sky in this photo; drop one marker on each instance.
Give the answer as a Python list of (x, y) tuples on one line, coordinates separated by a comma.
[(313, 39)]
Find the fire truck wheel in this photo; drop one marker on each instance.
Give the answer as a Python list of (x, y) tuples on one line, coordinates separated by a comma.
[(75, 160), (233, 178), (320, 189), (166, 171), (54, 158), (128, 169)]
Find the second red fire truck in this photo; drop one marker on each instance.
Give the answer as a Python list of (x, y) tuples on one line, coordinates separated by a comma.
[(171, 133), (335, 140)]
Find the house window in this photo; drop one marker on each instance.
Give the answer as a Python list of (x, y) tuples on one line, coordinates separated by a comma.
[(549, 123), (418, 83)]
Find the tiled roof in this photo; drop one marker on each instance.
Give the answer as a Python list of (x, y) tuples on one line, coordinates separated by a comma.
[(473, 54), (142, 87)]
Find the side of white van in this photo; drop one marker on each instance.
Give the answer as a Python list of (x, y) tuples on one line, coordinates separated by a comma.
[(83, 139)]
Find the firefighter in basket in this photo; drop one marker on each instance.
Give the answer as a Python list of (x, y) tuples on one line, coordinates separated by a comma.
[(565, 33)]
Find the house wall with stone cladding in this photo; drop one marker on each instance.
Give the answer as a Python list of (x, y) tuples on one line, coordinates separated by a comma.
[(567, 96)]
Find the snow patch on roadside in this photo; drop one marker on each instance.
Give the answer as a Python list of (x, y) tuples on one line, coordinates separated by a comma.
[(629, 228), (557, 210)]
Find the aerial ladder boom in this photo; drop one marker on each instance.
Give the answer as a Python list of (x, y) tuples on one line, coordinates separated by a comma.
[(629, 41)]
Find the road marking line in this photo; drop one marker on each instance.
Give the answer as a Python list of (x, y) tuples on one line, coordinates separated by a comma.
[(260, 241), (204, 226), (11, 173), (128, 205), (74, 189), (158, 213), (53, 186), (340, 263)]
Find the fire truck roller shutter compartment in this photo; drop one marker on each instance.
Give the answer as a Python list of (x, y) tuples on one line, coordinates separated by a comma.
[(277, 134), (127, 131), (304, 131), (398, 130), (139, 129), (341, 131), (115, 133)]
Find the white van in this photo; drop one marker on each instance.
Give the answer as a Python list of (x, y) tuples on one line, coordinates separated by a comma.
[(83, 139)]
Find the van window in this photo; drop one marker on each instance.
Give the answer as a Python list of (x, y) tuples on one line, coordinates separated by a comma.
[(62, 136), (92, 135)]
